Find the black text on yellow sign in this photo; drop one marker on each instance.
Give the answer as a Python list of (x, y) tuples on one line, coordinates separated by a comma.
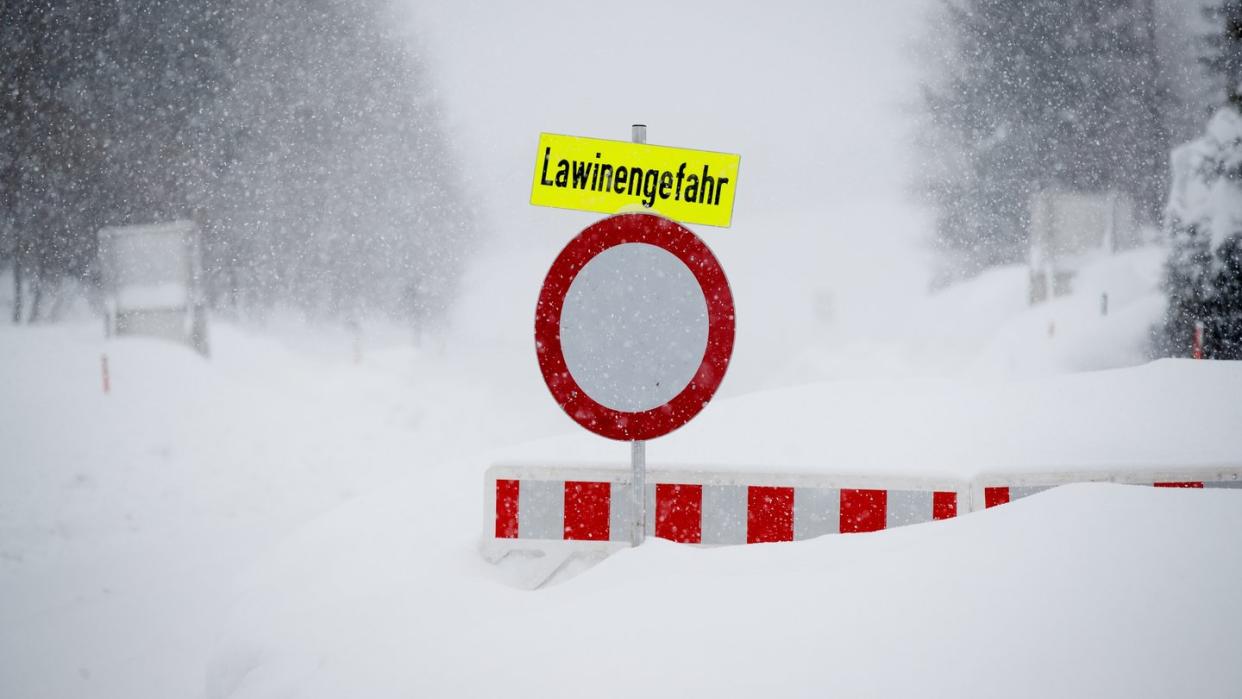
[(591, 174)]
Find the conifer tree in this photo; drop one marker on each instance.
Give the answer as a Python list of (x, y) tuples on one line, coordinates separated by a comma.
[(1224, 57), (1223, 327), (1203, 272)]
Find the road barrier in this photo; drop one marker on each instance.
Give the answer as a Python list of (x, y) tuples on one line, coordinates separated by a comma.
[(535, 503), (699, 507)]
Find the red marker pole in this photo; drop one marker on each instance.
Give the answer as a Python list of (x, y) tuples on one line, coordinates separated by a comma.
[(1197, 349), (103, 367)]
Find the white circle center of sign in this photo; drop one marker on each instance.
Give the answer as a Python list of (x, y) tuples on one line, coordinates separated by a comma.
[(634, 327)]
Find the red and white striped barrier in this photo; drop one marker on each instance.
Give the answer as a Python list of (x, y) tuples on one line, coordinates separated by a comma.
[(998, 489), (526, 504), (696, 507)]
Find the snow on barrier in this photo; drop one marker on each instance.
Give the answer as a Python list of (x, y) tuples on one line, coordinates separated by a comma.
[(697, 507), (991, 490)]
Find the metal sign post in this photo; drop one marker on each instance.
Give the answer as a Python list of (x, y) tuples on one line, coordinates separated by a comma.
[(638, 448), (638, 476)]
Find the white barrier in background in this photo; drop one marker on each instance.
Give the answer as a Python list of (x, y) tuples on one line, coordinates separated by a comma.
[(990, 490)]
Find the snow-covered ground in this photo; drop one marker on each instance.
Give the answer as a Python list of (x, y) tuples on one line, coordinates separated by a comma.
[(122, 517), (155, 538), (1084, 591)]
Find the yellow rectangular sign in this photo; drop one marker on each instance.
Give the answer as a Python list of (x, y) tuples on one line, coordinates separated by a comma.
[(592, 174)]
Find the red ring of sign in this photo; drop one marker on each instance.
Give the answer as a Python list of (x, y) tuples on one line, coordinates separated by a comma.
[(694, 253)]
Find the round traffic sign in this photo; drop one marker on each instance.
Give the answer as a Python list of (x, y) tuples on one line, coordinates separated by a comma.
[(634, 327)]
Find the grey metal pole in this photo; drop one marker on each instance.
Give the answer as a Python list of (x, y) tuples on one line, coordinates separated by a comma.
[(638, 448), (638, 476)]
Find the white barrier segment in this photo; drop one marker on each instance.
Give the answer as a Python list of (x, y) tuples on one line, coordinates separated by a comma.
[(538, 513), (817, 511), (908, 507), (541, 509), (620, 511), (724, 514)]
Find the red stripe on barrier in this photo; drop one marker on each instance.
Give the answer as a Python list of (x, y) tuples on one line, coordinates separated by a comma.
[(1179, 484), (998, 495), (944, 505), (586, 510), (506, 509), (863, 510), (679, 512), (769, 514)]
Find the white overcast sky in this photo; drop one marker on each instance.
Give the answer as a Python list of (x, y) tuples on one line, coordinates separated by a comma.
[(808, 93), (814, 96)]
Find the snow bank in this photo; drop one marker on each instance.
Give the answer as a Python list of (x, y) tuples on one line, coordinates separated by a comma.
[(986, 327), (1080, 591), (1168, 414), (124, 517)]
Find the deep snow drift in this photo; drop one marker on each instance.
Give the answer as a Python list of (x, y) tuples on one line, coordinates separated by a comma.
[(124, 518), (1087, 590)]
